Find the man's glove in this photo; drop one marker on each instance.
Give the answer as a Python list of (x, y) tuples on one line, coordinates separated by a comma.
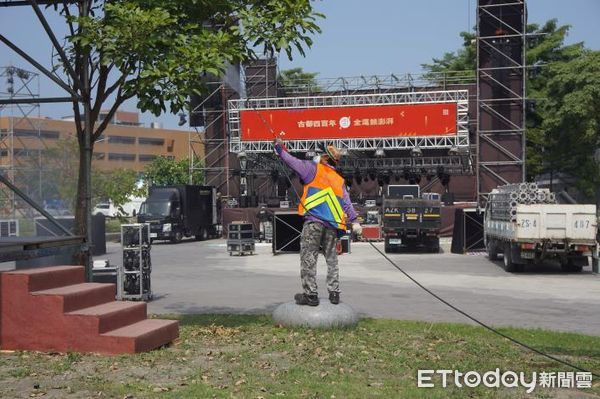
[(357, 228), (278, 145)]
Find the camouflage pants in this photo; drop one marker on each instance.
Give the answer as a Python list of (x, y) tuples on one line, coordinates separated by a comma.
[(317, 238)]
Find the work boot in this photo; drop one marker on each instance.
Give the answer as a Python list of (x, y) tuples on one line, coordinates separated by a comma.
[(334, 297), (307, 299)]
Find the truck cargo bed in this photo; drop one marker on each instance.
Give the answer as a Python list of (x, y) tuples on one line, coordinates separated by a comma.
[(553, 222)]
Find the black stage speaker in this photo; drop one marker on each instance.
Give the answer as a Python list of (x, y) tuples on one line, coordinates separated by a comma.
[(287, 228), (448, 199), (98, 234), (197, 111), (467, 235), (273, 202), (104, 273)]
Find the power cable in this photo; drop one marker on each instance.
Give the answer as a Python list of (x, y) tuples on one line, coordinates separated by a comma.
[(433, 294)]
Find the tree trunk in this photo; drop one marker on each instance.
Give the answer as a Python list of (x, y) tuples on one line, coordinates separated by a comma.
[(82, 203)]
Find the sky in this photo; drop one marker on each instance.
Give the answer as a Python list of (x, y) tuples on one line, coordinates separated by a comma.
[(359, 37)]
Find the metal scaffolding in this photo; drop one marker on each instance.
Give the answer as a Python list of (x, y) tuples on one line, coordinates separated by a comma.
[(445, 154), (501, 44), (209, 143), (459, 141), (378, 83), (204, 142), (20, 139), (456, 165)]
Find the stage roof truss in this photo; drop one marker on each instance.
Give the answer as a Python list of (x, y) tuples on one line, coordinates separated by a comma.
[(459, 140)]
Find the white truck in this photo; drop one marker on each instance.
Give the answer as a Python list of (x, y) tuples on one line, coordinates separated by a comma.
[(542, 231), (108, 209)]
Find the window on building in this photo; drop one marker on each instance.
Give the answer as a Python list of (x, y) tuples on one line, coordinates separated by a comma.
[(121, 140), (99, 155), (114, 156), (151, 141), (26, 152), (3, 153), (146, 157), (170, 157), (45, 134), (125, 123)]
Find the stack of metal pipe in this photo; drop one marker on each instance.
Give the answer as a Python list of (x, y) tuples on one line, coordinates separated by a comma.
[(503, 200)]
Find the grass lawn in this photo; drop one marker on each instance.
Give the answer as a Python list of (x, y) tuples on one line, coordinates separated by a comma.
[(249, 357)]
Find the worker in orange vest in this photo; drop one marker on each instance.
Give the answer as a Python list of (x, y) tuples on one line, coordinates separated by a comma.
[(328, 212)]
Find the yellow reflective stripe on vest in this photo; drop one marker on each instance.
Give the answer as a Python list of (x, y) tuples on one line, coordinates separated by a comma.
[(327, 196)]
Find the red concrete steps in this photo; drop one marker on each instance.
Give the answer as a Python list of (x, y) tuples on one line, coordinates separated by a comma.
[(43, 279), (112, 315), (78, 296), (142, 336), (53, 309)]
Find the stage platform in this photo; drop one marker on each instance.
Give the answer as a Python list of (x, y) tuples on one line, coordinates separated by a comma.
[(251, 215), (28, 248)]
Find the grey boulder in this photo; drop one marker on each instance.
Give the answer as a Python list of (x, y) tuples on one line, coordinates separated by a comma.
[(324, 316)]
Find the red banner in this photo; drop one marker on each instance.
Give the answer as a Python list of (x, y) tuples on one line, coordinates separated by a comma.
[(349, 122)]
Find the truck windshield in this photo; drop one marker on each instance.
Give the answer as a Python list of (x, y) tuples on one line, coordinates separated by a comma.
[(155, 208)]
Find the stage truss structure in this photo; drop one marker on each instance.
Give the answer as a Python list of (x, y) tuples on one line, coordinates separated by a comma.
[(21, 142), (501, 67), (459, 141)]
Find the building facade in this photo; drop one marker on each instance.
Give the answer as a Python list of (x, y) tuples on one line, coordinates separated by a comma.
[(125, 144), (32, 150)]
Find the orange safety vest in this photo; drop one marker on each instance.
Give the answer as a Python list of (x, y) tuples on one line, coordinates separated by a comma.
[(323, 197)]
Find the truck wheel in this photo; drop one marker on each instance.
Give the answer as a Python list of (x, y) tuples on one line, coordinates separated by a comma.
[(433, 246), (177, 237), (509, 266), (491, 250), (202, 235), (387, 248), (570, 266)]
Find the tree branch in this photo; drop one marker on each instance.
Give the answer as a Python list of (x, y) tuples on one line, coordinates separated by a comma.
[(118, 101), (78, 72), (102, 96), (77, 120), (68, 14), (93, 69), (100, 93), (114, 86)]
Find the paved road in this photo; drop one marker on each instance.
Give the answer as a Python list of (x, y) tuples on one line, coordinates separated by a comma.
[(199, 277)]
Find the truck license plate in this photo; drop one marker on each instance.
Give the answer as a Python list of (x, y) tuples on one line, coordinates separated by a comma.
[(153, 235), (395, 241)]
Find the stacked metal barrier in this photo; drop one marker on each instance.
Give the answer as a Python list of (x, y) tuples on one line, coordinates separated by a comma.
[(133, 278), (503, 200)]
